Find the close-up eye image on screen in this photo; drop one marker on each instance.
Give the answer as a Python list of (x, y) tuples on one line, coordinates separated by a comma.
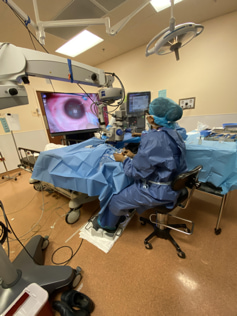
[(69, 112)]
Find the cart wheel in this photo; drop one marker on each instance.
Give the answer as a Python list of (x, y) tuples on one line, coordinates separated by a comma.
[(217, 231), (148, 245), (77, 278), (73, 216), (38, 186), (45, 243), (181, 254)]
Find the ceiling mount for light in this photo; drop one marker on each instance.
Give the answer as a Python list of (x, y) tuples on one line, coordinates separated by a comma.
[(173, 37), (40, 26)]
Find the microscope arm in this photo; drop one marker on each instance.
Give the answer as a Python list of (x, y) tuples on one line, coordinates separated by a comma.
[(17, 64)]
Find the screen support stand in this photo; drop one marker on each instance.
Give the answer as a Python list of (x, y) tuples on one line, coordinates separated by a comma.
[(28, 267)]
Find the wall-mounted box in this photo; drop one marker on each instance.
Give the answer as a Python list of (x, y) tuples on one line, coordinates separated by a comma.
[(187, 103)]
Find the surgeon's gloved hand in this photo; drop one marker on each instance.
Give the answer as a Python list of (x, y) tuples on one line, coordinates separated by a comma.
[(120, 157), (128, 153), (136, 134)]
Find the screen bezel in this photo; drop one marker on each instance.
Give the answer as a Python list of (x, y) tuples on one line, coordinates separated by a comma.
[(69, 132), (143, 93)]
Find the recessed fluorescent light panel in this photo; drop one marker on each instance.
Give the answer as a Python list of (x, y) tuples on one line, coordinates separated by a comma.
[(160, 5), (79, 44)]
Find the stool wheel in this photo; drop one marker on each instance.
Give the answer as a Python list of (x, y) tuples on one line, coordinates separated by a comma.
[(217, 231), (181, 254), (148, 245)]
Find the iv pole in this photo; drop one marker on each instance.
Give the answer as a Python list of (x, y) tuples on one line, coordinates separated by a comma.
[(8, 177)]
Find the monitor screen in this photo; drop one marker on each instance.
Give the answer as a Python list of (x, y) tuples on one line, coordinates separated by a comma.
[(70, 113), (138, 102)]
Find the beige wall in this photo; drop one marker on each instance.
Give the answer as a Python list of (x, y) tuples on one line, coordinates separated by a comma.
[(207, 69)]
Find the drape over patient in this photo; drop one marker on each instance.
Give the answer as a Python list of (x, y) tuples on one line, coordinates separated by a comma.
[(87, 167)]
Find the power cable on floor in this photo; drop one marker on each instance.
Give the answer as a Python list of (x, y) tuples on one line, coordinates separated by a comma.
[(8, 223), (66, 261)]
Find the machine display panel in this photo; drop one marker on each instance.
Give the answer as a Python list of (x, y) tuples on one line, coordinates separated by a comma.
[(138, 102)]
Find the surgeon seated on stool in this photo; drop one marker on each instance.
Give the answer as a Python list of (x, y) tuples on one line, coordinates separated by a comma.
[(159, 159)]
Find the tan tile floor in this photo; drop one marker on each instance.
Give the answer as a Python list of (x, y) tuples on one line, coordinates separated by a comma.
[(131, 280)]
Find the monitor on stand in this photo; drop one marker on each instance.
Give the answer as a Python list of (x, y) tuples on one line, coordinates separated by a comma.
[(71, 115), (137, 105)]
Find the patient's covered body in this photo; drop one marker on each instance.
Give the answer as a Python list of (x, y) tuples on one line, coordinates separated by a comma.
[(87, 167)]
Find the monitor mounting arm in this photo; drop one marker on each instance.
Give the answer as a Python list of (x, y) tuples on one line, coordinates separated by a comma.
[(40, 26)]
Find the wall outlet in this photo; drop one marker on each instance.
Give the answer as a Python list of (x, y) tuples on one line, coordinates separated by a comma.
[(36, 112), (188, 103)]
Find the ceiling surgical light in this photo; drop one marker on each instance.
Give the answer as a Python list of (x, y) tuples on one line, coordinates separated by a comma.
[(173, 37)]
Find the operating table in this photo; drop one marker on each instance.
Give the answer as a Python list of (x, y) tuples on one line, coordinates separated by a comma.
[(219, 160), (82, 172), (28, 158)]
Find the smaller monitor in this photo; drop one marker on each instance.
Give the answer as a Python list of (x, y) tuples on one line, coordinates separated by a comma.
[(138, 102)]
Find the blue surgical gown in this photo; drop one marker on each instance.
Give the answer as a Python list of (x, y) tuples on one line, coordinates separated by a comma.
[(160, 158)]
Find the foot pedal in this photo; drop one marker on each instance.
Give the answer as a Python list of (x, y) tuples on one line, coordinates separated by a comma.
[(103, 234)]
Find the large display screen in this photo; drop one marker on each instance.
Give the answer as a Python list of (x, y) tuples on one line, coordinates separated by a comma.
[(69, 113), (138, 102)]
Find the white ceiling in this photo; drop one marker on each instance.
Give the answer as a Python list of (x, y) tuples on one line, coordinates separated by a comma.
[(139, 31)]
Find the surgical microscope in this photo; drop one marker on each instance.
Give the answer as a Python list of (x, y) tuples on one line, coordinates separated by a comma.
[(17, 65)]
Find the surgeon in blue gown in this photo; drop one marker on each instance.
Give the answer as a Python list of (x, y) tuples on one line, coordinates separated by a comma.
[(159, 159)]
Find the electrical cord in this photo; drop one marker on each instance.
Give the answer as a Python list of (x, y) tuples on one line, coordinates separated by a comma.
[(42, 213), (30, 33), (24, 205), (66, 261), (72, 254), (95, 104), (80, 86), (5, 236), (123, 90), (8, 223), (4, 232)]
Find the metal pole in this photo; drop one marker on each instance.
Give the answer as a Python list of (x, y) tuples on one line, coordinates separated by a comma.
[(8, 177), (16, 146)]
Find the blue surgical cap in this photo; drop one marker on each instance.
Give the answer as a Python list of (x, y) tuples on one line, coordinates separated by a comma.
[(165, 111)]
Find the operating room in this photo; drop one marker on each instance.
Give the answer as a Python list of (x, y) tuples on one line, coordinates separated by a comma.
[(127, 278)]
